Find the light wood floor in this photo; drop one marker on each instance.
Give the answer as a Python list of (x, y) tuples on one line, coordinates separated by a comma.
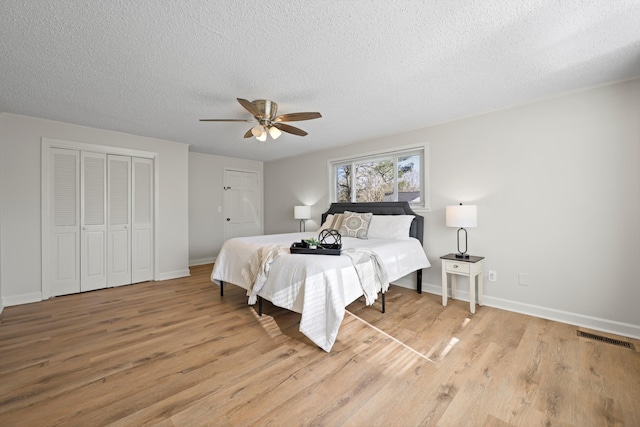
[(175, 354)]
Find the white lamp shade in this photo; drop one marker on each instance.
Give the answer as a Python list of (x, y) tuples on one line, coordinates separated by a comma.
[(462, 216), (302, 212), (257, 130), (274, 132)]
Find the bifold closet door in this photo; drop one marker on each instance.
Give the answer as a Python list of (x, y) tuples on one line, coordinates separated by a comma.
[(119, 220), (101, 211), (64, 221), (142, 220), (93, 221)]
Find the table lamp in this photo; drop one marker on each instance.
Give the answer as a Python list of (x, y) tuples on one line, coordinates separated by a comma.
[(302, 213), (462, 216)]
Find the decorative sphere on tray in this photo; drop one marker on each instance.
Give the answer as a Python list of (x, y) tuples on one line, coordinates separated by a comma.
[(330, 237)]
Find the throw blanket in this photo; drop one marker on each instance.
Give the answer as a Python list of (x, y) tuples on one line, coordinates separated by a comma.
[(371, 272), (323, 306), (257, 270)]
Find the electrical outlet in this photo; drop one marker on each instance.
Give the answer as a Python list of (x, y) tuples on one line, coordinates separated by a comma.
[(493, 276)]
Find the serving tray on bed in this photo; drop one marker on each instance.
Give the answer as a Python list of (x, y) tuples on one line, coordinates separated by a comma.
[(300, 248)]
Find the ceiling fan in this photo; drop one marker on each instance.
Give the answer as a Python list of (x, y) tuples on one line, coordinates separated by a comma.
[(264, 112)]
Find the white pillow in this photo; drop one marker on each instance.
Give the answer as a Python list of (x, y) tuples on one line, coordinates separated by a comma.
[(393, 227)]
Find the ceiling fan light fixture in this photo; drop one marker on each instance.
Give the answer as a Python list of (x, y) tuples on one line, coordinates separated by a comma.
[(257, 130), (274, 132), (265, 113)]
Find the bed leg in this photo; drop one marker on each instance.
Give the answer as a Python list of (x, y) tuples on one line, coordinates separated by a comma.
[(383, 302), (419, 284), (221, 288), (259, 306)]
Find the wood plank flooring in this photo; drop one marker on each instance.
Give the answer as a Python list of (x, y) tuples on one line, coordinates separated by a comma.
[(175, 353)]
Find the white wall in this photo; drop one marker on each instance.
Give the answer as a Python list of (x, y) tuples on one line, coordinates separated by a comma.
[(1, 198), (557, 184), (20, 211), (206, 224)]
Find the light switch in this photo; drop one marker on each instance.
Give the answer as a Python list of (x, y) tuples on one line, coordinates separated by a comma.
[(523, 279)]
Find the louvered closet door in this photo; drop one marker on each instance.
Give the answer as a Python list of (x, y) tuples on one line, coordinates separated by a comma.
[(93, 221), (142, 220), (119, 220), (64, 199)]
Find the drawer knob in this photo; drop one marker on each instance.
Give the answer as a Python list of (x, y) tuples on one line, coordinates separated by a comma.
[(455, 265)]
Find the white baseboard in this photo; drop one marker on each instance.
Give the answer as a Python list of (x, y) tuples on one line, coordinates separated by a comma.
[(596, 323), (21, 299), (202, 261), (37, 296), (408, 282), (173, 275)]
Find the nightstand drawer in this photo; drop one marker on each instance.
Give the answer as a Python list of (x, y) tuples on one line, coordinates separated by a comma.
[(457, 267)]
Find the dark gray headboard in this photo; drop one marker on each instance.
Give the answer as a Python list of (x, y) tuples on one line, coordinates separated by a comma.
[(382, 208)]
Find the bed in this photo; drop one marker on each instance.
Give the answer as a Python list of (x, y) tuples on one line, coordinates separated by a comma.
[(321, 286)]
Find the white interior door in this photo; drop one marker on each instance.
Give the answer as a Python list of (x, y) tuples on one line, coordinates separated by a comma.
[(64, 221), (93, 221), (242, 204), (119, 220), (142, 220)]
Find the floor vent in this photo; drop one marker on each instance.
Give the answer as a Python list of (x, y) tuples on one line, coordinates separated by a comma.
[(607, 340)]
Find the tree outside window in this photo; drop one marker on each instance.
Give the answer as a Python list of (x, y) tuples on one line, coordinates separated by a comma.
[(374, 181), (409, 179), (394, 177), (343, 183)]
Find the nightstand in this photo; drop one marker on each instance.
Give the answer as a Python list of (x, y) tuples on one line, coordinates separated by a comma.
[(470, 267)]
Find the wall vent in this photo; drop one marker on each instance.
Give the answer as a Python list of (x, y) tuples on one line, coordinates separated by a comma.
[(607, 340)]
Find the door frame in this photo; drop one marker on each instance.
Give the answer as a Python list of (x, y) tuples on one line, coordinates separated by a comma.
[(47, 144)]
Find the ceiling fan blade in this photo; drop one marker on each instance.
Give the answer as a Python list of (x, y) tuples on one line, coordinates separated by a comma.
[(296, 117), (251, 108), (290, 129), (248, 134), (225, 120)]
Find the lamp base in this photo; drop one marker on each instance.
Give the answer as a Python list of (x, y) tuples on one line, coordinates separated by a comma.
[(460, 254)]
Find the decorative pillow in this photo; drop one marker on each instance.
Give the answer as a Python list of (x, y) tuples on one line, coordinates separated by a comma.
[(327, 223), (355, 224), (332, 222), (394, 227)]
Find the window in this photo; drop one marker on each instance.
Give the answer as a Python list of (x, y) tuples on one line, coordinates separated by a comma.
[(384, 177)]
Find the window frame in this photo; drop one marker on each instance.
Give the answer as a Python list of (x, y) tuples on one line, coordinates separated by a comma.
[(381, 155)]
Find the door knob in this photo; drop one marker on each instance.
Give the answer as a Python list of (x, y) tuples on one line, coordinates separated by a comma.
[(228, 219)]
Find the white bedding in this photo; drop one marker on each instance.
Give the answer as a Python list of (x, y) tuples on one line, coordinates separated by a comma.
[(318, 287)]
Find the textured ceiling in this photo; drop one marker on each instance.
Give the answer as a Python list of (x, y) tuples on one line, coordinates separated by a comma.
[(372, 68)]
